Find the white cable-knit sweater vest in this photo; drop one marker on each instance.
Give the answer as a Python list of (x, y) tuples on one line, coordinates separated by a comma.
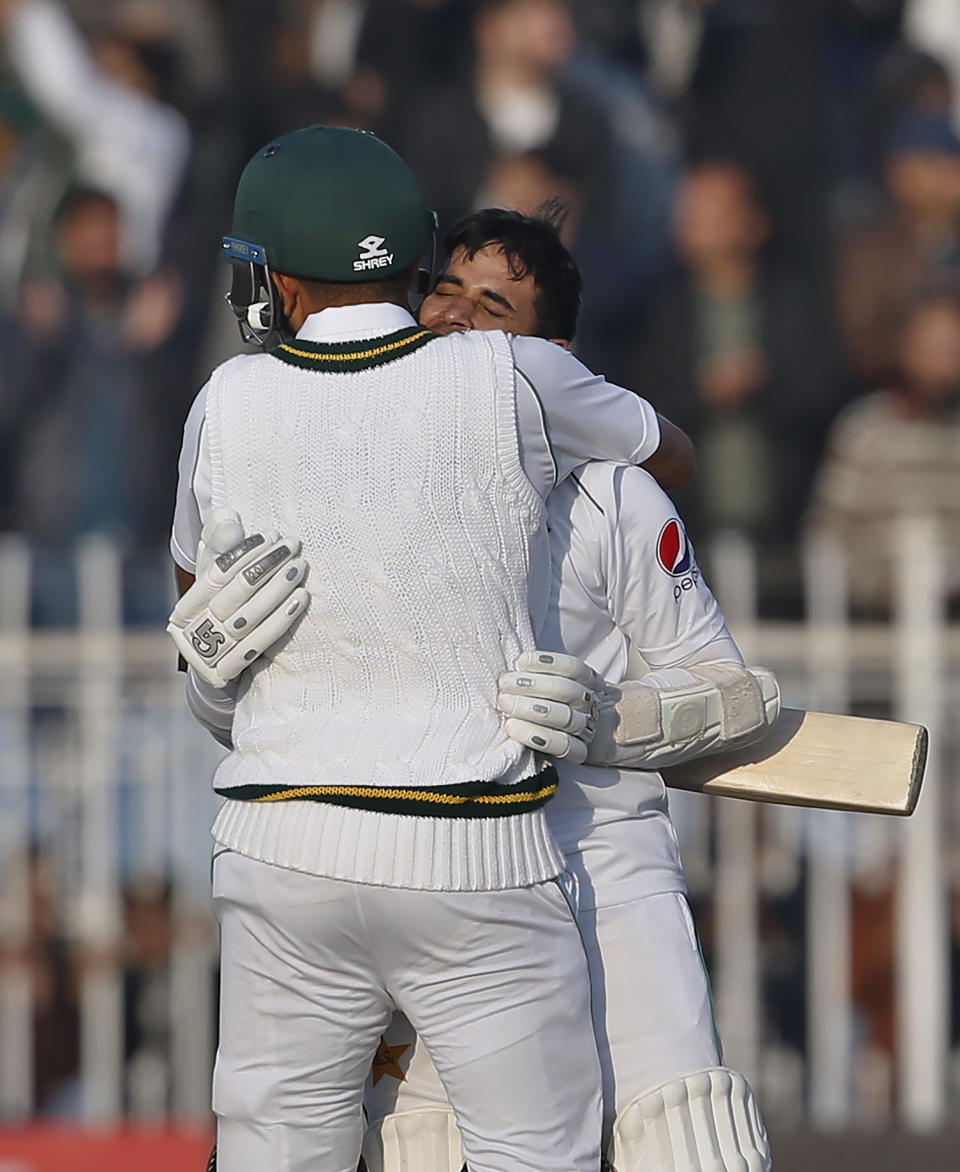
[(368, 746)]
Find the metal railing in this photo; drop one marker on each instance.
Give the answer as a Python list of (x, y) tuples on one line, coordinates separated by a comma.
[(101, 764)]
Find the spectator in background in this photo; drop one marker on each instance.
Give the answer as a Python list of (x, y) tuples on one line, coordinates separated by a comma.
[(625, 253), (105, 98), (908, 81), (896, 452), (403, 48), (32, 181), (905, 81), (361, 63), (542, 115), (34, 173), (881, 269), (934, 25), (740, 352), (87, 435), (525, 183), (43, 954), (515, 103), (778, 85), (755, 92)]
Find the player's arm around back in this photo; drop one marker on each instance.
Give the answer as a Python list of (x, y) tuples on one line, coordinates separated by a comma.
[(239, 592), (674, 461), (579, 416)]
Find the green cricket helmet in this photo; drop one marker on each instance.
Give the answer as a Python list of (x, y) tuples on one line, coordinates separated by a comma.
[(324, 204)]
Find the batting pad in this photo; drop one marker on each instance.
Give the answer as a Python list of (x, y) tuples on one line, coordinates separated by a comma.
[(706, 1120)]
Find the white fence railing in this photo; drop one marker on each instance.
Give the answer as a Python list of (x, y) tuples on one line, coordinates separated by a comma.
[(102, 766)]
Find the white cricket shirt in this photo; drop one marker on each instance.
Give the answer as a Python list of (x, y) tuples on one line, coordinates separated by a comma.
[(623, 572), (565, 414)]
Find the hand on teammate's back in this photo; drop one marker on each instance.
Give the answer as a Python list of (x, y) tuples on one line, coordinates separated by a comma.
[(247, 595), (551, 703)]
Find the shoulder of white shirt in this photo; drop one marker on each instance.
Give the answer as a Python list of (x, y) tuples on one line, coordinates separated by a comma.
[(615, 489)]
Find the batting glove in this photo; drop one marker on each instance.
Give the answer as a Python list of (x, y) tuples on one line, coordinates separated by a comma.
[(551, 702), (245, 598)]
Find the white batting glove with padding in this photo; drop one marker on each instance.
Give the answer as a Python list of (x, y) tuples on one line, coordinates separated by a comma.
[(551, 702), (247, 595), (725, 706)]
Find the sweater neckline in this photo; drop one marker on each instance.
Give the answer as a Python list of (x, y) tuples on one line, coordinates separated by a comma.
[(353, 355)]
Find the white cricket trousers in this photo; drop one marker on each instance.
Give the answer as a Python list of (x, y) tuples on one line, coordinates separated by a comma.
[(312, 970), (651, 1011)]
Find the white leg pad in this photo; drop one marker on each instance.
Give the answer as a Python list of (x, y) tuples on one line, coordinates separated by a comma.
[(414, 1141), (705, 1122)]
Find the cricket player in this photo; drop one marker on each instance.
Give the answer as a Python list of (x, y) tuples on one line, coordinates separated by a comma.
[(623, 576), (383, 844)]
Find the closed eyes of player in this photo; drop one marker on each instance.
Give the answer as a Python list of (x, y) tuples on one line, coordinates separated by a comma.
[(489, 301)]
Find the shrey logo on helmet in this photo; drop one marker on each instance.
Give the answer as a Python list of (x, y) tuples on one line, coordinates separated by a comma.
[(372, 254), (673, 549)]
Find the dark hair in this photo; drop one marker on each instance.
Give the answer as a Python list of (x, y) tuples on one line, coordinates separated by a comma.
[(330, 293), (531, 244), (82, 197)]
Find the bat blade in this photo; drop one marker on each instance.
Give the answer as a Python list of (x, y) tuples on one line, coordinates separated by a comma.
[(818, 759)]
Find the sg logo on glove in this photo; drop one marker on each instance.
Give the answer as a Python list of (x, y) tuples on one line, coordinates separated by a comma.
[(207, 639)]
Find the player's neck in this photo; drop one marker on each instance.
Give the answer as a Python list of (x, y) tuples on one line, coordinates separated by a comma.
[(301, 298), (318, 305)]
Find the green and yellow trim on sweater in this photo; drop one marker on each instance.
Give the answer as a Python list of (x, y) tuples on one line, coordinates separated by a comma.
[(343, 357), (472, 799)]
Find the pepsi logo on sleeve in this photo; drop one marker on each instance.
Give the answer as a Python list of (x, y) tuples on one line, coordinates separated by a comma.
[(673, 549)]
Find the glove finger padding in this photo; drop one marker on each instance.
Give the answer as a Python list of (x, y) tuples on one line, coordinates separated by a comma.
[(552, 742), (265, 635), (222, 532), (279, 561), (556, 663), (548, 714), (219, 572), (560, 688)]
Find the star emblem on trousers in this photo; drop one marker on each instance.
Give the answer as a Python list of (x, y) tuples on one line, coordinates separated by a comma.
[(386, 1061)]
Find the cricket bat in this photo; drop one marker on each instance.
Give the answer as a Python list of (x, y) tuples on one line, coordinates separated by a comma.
[(817, 759)]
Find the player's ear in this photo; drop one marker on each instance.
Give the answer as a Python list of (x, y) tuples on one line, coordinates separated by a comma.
[(564, 343), (289, 289)]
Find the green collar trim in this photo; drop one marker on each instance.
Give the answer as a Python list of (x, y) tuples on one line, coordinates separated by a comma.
[(341, 357)]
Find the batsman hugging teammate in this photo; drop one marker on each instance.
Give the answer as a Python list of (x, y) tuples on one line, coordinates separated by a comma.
[(383, 844), (624, 580), (622, 575)]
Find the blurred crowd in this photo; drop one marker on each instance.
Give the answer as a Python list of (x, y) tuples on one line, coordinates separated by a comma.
[(764, 195), (57, 962), (764, 198)]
